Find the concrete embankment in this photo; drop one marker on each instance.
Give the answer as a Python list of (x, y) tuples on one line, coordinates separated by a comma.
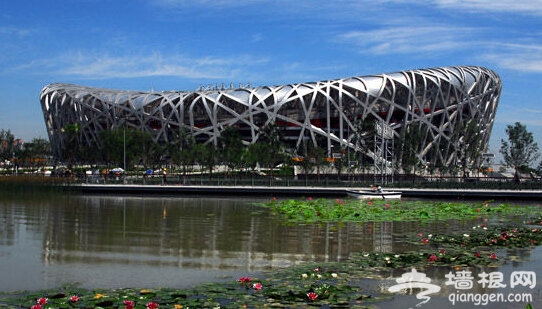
[(302, 191)]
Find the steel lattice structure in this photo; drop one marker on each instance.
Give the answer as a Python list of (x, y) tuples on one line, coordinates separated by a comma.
[(326, 113)]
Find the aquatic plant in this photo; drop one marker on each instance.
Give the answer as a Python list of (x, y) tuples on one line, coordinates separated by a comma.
[(378, 210)]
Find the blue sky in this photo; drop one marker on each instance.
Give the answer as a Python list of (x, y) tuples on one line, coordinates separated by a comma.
[(182, 44)]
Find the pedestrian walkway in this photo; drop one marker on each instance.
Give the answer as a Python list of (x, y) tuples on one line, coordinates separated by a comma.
[(301, 191)]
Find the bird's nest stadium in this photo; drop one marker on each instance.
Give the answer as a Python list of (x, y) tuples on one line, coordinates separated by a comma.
[(332, 114)]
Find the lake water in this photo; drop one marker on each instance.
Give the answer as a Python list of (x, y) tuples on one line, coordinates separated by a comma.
[(149, 242)]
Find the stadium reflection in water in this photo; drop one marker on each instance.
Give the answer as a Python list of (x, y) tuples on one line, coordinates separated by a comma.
[(110, 242)]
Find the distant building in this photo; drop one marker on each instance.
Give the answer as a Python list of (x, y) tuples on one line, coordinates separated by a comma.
[(332, 114), (9, 147)]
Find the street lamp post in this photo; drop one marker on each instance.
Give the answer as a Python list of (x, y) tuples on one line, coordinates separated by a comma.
[(14, 164), (123, 147), (348, 148), (124, 153)]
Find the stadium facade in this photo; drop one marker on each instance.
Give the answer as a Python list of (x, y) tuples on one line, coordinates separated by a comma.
[(330, 114)]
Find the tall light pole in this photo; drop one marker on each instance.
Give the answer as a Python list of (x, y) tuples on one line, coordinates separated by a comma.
[(123, 146), (124, 152)]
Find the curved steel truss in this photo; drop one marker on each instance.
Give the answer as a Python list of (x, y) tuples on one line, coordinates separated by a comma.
[(328, 113)]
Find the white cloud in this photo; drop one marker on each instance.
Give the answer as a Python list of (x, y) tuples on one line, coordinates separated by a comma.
[(206, 3), (408, 39), (154, 64), (529, 7), (521, 64), (517, 57), (10, 31), (522, 54)]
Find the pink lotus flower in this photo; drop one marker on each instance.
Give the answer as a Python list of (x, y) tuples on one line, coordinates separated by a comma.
[(494, 256), (477, 254), (339, 201), (152, 305), (425, 240), (312, 296), (257, 286), (432, 258), (74, 298), (42, 301), (38, 306), (244, 279), (129, 304)]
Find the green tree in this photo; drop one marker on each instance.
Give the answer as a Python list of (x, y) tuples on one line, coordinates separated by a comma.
[(409, 151), (127, 143), (182, 151), (340, 163), (111, 147), (230, 147), (468, 142), (363, 138), (520, 150), (272, 150), (206, 156), (304, 159), (7, 146), (255, 154), (141, 148), (36, 152), (71, 147), (317, 155), (539, 168)]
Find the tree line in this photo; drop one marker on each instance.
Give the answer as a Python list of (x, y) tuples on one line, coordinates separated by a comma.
[(30, 154), (129, 147)]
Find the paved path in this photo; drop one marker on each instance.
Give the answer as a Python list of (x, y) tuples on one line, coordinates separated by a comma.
[(302, 191)]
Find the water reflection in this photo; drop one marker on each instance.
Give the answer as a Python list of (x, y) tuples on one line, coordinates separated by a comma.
[(108, 241)]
